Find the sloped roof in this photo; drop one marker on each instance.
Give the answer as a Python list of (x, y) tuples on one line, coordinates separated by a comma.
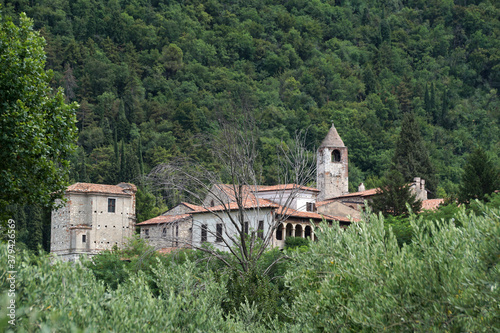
[(249, 190), (164, 219), (282, 187), (247, 204), (332, 139), (191, 206), (100, 188), (431, 204), (367, 193)]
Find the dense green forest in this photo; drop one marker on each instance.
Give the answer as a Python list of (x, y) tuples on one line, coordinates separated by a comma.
[(150, 76)]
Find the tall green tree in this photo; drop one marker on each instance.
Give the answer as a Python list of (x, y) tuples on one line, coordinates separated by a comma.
[(480, 178), (38, 131), (394, 195), (411, 157)]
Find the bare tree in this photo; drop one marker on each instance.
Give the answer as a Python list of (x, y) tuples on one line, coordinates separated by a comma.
[(229, 193)]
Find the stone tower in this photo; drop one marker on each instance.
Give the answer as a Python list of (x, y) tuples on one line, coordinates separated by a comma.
[(332, 177)]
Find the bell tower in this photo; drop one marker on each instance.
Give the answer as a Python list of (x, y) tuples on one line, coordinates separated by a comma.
[(332, 178)]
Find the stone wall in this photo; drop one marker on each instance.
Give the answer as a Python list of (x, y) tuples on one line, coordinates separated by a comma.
[(167, 235), (84, 225)]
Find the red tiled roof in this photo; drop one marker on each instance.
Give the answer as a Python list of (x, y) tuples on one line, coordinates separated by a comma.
[(247, 204), (165, 219), (367, 193), (249, 190), (431, 204), (191, 206), (99, 188), (281, 187)]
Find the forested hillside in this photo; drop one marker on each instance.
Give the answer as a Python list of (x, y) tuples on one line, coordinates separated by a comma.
[(151, 75)]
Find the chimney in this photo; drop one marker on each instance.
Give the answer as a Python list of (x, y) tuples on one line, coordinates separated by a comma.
[(361, 187), (418, 188)]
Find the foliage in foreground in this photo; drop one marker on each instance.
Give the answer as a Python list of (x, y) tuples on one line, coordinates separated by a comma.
[(38, 127), (359, 279), (62, 297)]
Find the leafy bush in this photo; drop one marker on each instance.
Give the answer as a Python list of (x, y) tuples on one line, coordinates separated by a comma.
[(359, 279), (61, 297), (294, 242)]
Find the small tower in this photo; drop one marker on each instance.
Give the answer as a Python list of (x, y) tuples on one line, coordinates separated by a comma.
[(332, 177)]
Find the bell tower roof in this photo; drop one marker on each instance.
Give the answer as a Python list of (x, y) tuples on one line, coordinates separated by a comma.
[(332, 139)]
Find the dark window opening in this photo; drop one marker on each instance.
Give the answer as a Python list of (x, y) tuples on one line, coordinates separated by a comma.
[(84, 238), (204, 233), (164, 232), (218, 233), (307, 232), (146, 233), (111, 205), (310, 206), (279, 232), (260, 230), (336, 156), (212, 203), (245, 228), (176, 234)]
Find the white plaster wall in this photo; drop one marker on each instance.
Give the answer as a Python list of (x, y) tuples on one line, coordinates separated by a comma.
[(253, 218), (280, 197)]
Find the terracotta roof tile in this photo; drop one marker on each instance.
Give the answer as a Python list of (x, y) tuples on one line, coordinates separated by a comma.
[(98, 188), (165, 219), (281, 187), (367, 193), (431, 204), (191, 206), (247, 204)]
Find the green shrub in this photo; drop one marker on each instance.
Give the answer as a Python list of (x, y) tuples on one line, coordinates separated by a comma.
[(358, 279)]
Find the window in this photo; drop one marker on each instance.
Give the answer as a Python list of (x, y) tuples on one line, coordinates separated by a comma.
[(84, 238), (336, 156), (218, 233), (260, 231), (176, 234), (310, 206), (204, 233), (279, 232), (164, 232), (245, 228), (146, 233), (111, 205)]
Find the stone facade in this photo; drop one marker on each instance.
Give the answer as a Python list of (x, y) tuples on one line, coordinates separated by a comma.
[(168, 231), (94, 218), (332, 167)]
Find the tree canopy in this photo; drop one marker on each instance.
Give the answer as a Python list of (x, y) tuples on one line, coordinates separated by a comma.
[(38, 131), (159, 74), (480, 177)]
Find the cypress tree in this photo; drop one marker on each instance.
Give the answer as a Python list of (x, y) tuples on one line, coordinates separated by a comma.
[(427, 101), (122, 163), (141, 161), (34, 219), (444, 109), (393, 195), (432, 104), (480, 177), (411, 157)]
